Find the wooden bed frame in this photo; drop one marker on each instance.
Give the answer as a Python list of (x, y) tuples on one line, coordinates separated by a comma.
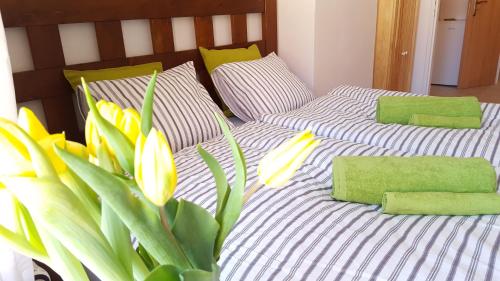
[(41, 18)]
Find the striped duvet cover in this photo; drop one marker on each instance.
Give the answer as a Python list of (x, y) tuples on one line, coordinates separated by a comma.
[(300, 233), (348, 113)]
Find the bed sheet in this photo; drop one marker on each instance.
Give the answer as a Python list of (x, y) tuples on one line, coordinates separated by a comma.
[(299, 233)]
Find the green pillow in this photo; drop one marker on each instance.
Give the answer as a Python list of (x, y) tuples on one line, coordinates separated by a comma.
[(214, 58), (74, 76)]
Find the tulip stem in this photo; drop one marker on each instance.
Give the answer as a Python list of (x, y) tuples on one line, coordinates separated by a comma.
[(254, 188), (163, 218)]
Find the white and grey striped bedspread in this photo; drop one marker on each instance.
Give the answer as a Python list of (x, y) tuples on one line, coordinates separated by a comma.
[(348, 113), (300, 233)]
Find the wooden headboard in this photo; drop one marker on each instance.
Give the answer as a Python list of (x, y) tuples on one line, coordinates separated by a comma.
[(41, 18)]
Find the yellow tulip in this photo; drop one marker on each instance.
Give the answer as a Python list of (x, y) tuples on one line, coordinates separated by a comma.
[(130, 124), (110, 111), (31, 125), (92, 138), (127, 121), (155, 170), (48, 144), (15, 158), (279, 166)]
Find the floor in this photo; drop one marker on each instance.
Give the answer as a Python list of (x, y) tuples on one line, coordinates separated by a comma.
[(484, 94)]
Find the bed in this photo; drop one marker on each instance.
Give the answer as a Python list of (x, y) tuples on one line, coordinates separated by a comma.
[(300, 233), (297, 232)]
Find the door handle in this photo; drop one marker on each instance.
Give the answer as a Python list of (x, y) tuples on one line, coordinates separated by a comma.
[(405, 53), (476, 3)]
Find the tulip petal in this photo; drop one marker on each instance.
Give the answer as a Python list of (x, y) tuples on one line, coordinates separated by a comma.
[(15, 156), (130, 124), (117, 140), (41, 163), (159, 176), (147, 106), (30, 123)]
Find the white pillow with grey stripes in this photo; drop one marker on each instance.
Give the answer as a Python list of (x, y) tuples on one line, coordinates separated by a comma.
[(264, 86), (183, 109)]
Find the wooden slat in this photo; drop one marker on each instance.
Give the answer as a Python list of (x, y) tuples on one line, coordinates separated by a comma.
[(45, 45), (60, 114), (31, 12), (270, 26), (204, 29), (110, 40), (162, 35), (239, 28)]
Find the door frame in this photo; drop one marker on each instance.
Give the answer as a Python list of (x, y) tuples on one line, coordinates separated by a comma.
[(422, 67)]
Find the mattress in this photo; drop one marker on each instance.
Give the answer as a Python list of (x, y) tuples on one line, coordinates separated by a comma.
[(299, 233), (348, 113)]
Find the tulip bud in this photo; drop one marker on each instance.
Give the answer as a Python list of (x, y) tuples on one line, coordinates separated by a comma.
[(92, 138), (279, 165), (110, 111), (155, 170), (47, 145), (130, 124), (31, 125)]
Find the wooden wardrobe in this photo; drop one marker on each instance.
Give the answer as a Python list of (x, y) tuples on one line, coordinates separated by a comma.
[(395, 44)]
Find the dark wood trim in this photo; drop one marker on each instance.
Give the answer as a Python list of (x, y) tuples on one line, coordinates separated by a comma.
[(110, 40), (46, 47), (46, 82), (204, 29), (55, 109), (239, 28), (162, 35), (31, 12), (270, 26)]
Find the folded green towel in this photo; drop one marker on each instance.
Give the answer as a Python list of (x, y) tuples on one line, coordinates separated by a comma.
[(441, 203), (365, 179), (399, 109), (438, 121)]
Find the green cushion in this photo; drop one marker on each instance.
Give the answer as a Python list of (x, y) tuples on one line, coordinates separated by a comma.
[(74, 76), (214, 58)]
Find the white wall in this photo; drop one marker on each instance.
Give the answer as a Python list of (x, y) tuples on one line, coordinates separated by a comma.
[(296, 37), (345, 42), (328, 43)]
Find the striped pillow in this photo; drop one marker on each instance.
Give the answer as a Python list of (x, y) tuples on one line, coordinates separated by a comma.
[(183, 109), (264, 86)]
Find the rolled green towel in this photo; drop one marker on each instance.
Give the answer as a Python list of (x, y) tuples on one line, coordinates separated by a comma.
[(438, 121), (441, 203), (398, 110), (365, 179)]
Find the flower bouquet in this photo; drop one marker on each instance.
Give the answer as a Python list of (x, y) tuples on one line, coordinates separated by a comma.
[(77, 205)]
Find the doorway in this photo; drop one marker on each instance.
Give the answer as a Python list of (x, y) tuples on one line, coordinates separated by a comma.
[(456, 45), (466, 51)]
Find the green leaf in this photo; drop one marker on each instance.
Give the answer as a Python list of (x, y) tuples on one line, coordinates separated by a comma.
[(196, 230), (86, 195), (220, 181), (234, 204), (113, 228), (171, 210), (137, 217), (147, 107), (62, 260), (57, 211), (165, 273), (121, 145), (146, 258), (199, 275), (19, 243)]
